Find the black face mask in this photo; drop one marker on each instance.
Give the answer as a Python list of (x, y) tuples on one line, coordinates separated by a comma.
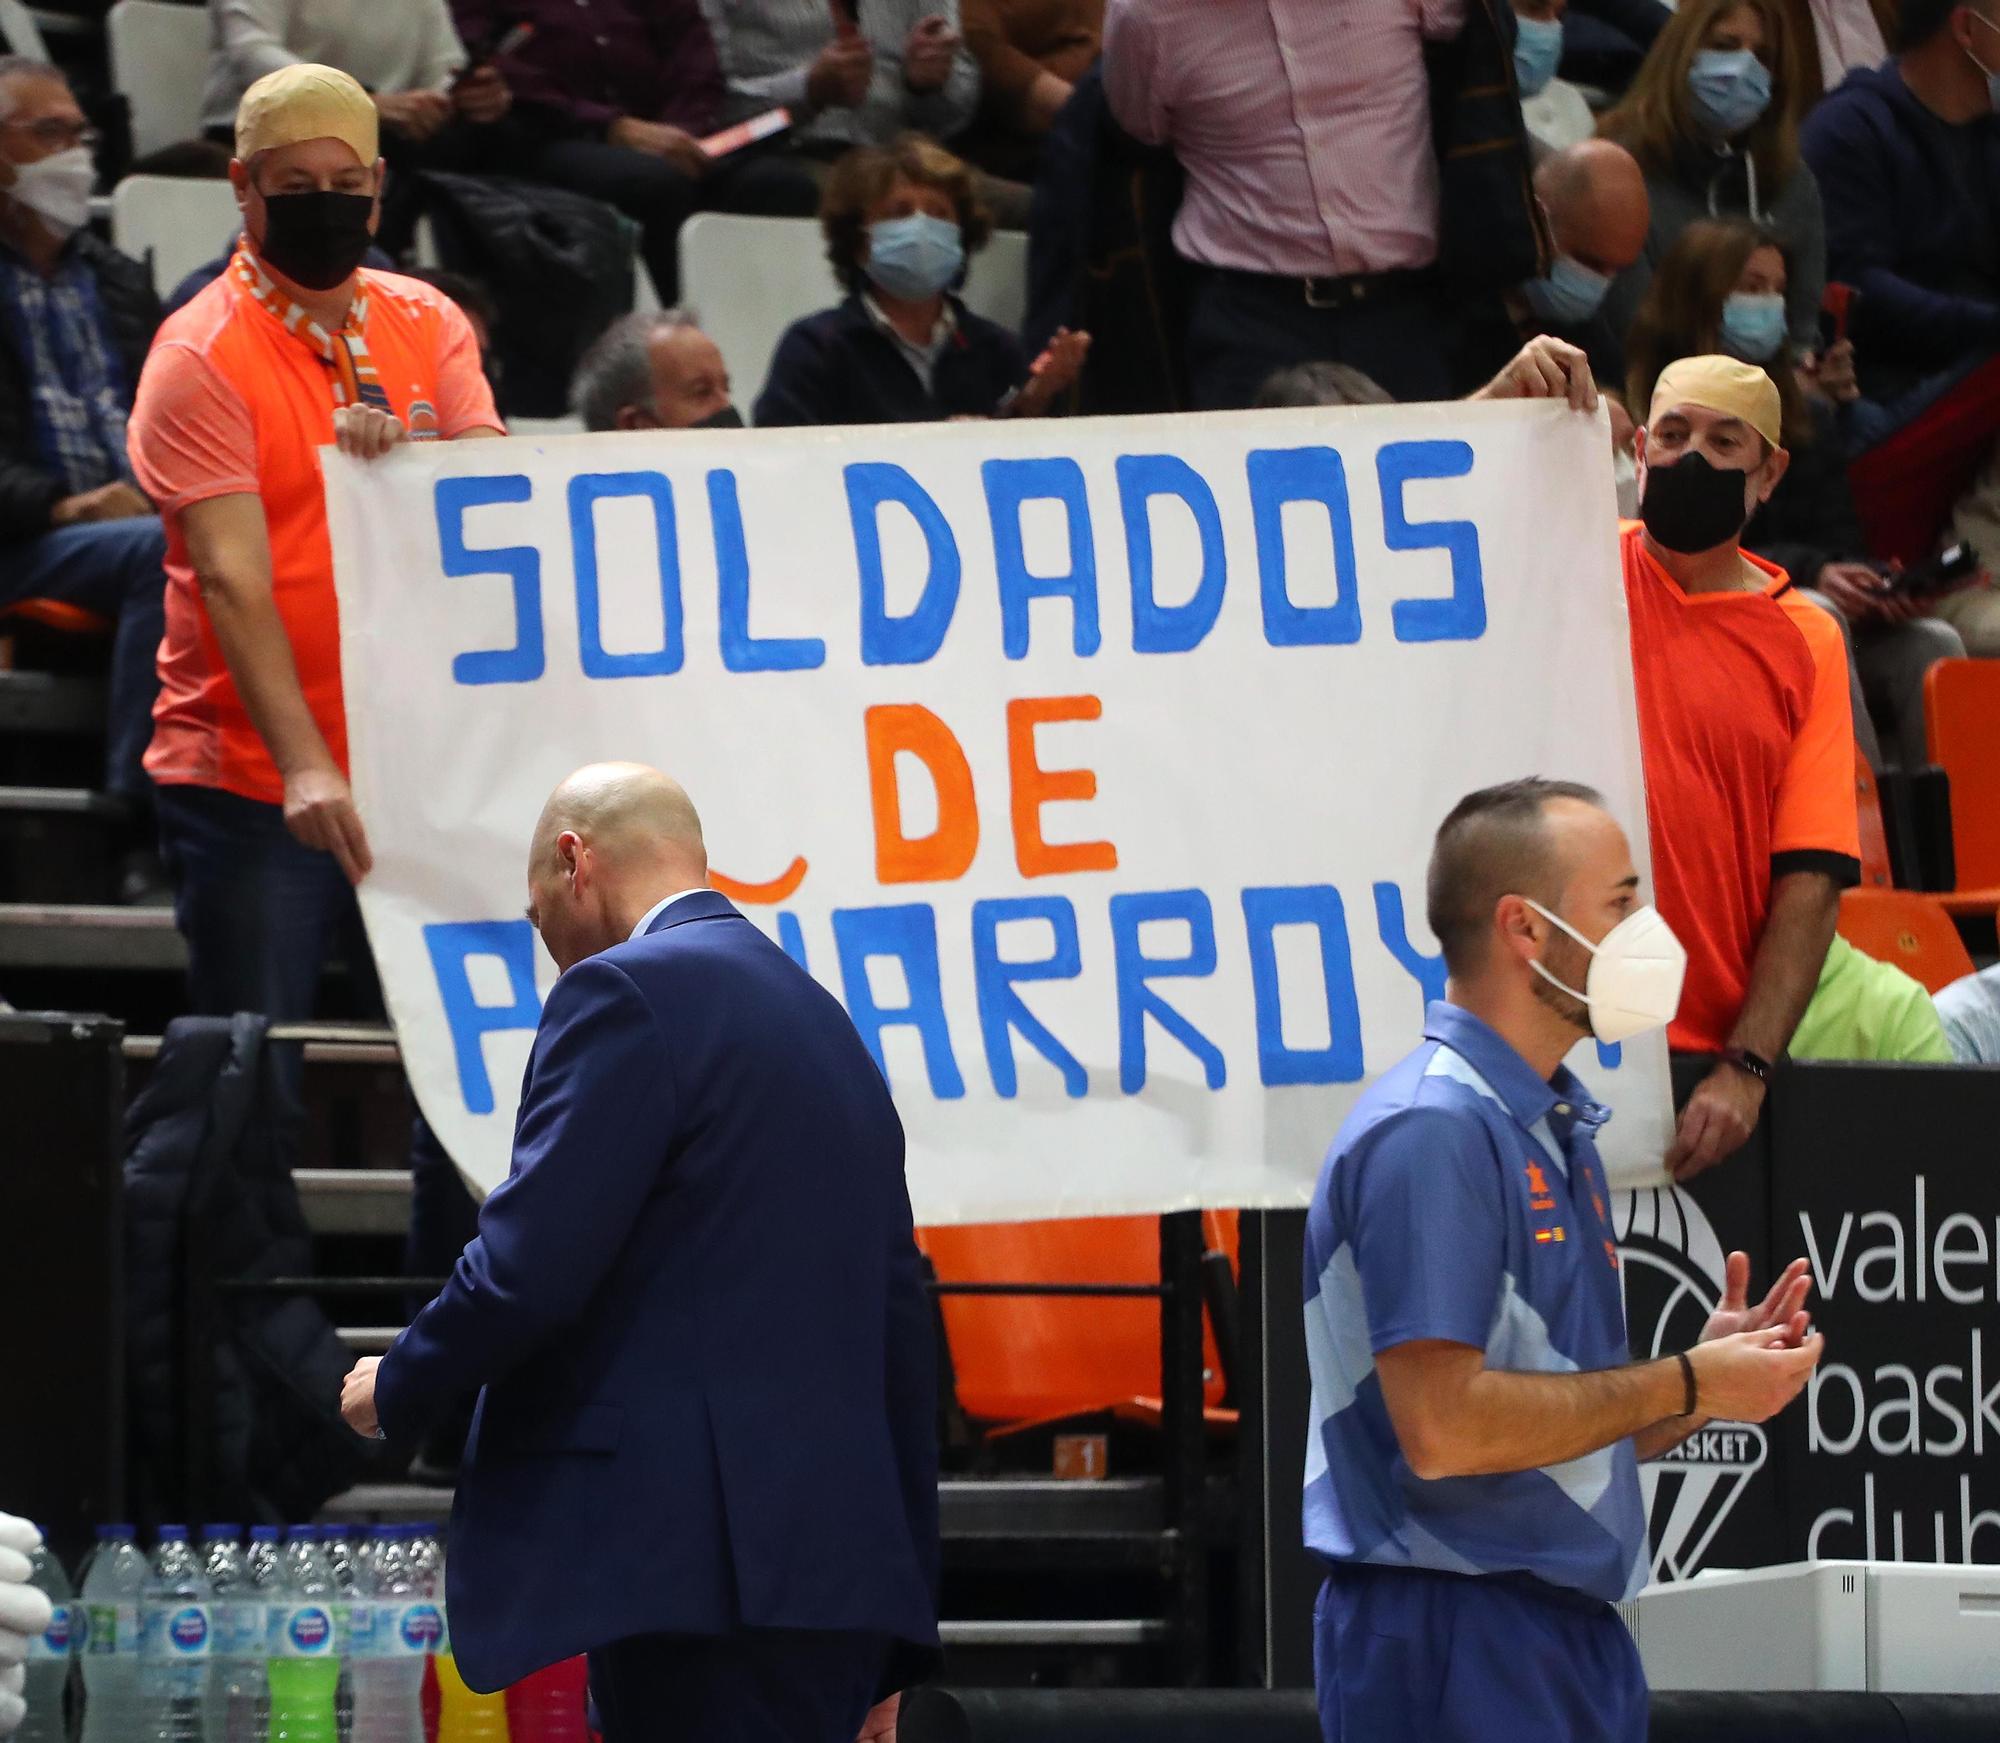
[(316, 239), (1692, 506), (726, 418)]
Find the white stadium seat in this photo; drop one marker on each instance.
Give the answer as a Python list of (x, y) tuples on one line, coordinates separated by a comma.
[(159, 62), (19, 33), (751, 278), (172, 222)]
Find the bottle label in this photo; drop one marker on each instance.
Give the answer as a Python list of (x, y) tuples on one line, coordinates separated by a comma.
[(358, 1627), (180, 1633), (411, 1630), (112, 1630), (239, 1630), (55, 1640), (301, 1631)]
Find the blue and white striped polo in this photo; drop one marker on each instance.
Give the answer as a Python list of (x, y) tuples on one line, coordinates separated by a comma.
[(1464, 1200)]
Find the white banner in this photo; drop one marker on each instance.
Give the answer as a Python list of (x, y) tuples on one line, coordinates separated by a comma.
[(1094, 765)]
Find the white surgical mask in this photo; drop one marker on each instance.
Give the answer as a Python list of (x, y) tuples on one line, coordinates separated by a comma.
[(1636, 970), (57, 188)]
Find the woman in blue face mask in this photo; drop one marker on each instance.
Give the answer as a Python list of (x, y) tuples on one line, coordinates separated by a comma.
[(1713, 120), (900, 227), (1721, 288)]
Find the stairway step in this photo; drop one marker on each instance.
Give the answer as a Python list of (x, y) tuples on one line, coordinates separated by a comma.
[(64, 935), (355, 1201), (61, 802), (47, 702)]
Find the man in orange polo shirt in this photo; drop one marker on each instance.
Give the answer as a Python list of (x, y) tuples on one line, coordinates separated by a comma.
[(1748, 740), (291, 349)]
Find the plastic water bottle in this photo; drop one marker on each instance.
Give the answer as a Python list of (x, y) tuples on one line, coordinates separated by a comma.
[(264, 1562), (236, 1669), (552, 1706), (114, 1591), (351, 1622), (463, 1717), (389, 1677), (303, 1662), (179, 1633), (48, 1654)]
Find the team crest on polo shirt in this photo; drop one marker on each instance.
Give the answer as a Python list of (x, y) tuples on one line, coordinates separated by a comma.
[(423, 421), (1541, 1200)]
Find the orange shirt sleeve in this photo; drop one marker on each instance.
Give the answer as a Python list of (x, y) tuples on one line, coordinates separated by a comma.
[(465, 396), (190, 434), (1816, 810)]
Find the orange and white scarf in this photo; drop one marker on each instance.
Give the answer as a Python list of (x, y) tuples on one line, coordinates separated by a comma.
[(350, 368)]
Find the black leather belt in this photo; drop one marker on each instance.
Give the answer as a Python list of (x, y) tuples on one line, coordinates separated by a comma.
[(1339, 293)]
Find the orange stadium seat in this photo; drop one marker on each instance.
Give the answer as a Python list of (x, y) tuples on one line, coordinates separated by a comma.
[(1876, 873), (1962, 710), (54, 614), (1908, 929), (1020, 1361)]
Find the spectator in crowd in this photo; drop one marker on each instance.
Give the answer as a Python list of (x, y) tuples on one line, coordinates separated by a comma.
[(852, 72), (1713, 119), (291, 349), (656, 371), (1556, 112), (1909, 156), (1970, 1011), (1030, 53), (1839, 36), (1748, 741), (75, 320), (1605, 41), (612, 98), (1721, 287), (435, 108), (900, 223), (1312, 185), (1595, 197), (1864, 1009)]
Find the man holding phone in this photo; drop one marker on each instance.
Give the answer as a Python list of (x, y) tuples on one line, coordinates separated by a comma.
[(615, 99), (852, 72)]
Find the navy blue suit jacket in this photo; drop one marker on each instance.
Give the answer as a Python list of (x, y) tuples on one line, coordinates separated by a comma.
[(698, 1315)]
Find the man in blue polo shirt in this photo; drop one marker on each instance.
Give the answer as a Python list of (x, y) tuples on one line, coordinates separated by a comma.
[(1471, 1475)]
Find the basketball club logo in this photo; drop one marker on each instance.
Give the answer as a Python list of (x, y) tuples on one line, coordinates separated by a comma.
[(1672, 1272)]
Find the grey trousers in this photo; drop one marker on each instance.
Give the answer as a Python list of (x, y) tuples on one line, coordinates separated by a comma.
[(1886, 663)]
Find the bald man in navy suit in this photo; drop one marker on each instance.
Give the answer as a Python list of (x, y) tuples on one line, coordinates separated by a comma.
[(706, 1450)]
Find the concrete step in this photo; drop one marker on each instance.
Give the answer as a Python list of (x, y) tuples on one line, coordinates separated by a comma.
[(64, 935), (59, 802), (355, 1201), (48, 703)]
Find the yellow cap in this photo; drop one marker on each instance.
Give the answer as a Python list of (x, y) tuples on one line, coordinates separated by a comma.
[(307, 102), (1722, 384)]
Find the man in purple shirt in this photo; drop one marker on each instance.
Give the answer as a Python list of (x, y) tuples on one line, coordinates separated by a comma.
[(612, 99), (1304, 127)]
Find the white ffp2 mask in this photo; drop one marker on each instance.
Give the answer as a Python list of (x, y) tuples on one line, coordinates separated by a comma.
[(1636, 970), (57, 188)]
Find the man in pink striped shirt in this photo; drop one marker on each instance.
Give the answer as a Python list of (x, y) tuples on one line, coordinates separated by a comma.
[(1312, 200)]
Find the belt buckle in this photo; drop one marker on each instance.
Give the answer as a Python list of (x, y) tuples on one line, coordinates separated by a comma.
[(1340, 292)]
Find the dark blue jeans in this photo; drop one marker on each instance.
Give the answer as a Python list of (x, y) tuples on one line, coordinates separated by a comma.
[(116, 569), (261, 913)]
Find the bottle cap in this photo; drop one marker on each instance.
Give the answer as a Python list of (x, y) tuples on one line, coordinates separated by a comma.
[(173, 1534), (116, 1533), (221, 1533), (264, 1534), (302, 1534)]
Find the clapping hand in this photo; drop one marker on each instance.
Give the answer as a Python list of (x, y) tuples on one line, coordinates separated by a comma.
[(1783, 1307), (928, 54), (1052, 374), (842, 71)]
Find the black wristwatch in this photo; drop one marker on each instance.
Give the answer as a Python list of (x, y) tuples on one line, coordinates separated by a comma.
[(1754, 1063)]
